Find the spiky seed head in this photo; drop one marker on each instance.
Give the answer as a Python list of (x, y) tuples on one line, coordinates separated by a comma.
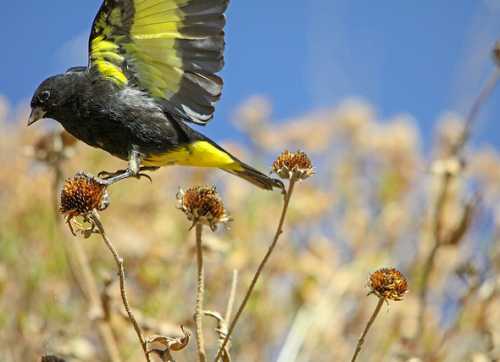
[(388, 283), (293, 164), (82, 194), (202, 204)]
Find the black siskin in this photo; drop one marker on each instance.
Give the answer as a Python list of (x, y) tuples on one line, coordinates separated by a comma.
[(152, 66)]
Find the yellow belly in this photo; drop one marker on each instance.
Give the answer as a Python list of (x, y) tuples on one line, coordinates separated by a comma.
[(199, 153)]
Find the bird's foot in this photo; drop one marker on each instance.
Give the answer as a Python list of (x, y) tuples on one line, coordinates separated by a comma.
[(109, 178)]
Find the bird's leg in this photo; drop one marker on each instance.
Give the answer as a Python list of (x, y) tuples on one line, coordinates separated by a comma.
[(134, 170)]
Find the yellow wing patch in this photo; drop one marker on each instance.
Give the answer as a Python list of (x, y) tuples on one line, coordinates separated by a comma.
[(107, 60), (199, 154), (154, 32)]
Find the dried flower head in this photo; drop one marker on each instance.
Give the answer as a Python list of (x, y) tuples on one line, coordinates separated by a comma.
[(388, 283), (53, 147), (82, 194), (293, 164), (163, 345), (202, 204)]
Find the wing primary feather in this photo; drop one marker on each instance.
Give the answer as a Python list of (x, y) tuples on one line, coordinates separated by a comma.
[(170, 49)]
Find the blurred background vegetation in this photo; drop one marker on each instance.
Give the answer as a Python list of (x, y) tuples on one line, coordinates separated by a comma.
[(391, 189), (371, 204)]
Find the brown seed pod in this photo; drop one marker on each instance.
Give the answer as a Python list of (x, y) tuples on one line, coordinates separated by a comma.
[(202, 204), (81, 194), (296, 164), (388, 283)]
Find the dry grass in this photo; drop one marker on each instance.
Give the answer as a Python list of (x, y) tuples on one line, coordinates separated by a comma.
[(370, 205)]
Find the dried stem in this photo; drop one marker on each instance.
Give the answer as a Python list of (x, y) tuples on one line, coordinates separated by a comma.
[(485, 93), (262, 264), (441, 198), (232, 296), (89, 286), (121, 273), (80, 267), (430, 261), (200, 291), (367, 328), (57, 183)]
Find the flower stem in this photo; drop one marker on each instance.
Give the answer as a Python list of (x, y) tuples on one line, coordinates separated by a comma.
[(367, 328), (85, 280), (200, 291), (121, 273), (262, 264), (232, 295)]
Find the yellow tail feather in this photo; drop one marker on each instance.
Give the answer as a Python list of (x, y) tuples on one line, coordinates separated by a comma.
[(205, 154)]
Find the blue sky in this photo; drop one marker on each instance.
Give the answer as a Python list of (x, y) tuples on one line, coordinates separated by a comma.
[(423, 58)]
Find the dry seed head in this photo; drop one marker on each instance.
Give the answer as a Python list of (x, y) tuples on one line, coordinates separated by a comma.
[(388, 283), (53, 147), (202, 204), (81, 194), (295, 164)]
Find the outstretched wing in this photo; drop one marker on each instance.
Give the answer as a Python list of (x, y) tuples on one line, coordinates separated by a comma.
[(170, 49)]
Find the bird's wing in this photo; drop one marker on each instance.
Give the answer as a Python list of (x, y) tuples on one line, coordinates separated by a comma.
[(170, 49)]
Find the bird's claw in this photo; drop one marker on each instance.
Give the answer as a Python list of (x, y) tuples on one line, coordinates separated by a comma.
[(145, 175), (109, 178), (104, 175)]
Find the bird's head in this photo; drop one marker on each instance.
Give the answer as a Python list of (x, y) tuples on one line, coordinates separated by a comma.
[(50, 95)]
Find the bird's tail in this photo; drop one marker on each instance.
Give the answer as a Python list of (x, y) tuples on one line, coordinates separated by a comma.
[(255, 177), (203, 152), (213, 155)]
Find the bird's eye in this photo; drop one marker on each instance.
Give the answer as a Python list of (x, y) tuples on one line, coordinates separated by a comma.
[(44, 96)]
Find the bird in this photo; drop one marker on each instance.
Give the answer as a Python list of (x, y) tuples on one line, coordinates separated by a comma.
[(151, 75)]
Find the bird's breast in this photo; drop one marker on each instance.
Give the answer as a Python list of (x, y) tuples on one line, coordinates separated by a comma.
[(120, 123)]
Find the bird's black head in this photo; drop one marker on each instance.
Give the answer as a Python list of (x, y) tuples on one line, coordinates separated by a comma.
[(50, 97)]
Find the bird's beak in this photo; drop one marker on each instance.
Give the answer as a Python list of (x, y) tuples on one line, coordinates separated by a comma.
[(36, 114)]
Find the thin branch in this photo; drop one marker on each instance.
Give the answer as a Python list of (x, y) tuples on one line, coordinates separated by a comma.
[(89, 287), (446, 179), (430, 261), (484, 94), (221, 331), (57, 183), (121, 273), (232, 296), (200, 291), (367, 328), (262, 264)]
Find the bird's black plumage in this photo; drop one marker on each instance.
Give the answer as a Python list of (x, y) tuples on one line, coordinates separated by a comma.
[(151, 68), (102, 115)]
